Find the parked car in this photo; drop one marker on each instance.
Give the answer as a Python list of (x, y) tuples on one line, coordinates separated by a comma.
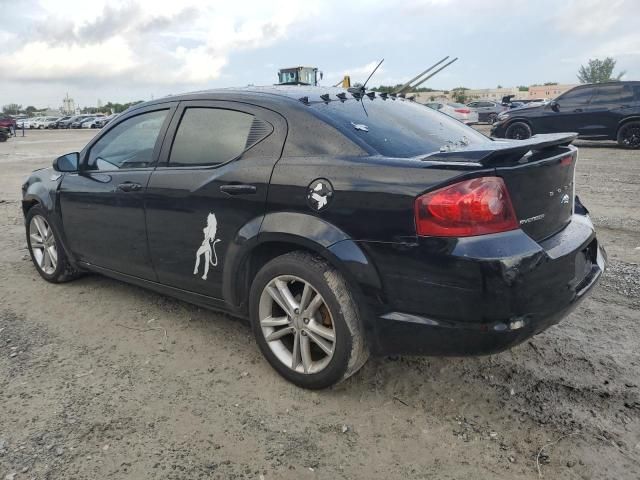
[(67, 123), (79, 120), (487, 111), (338, 231), (88, 122), (101, 122), (32, 122), (8, 122), (458, 111), (603, 111), (60, 122), (46, 122)]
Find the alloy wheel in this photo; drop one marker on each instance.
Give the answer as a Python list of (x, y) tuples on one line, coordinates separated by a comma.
[(519, 133), (631, 136), (297, 324), (43, 244)]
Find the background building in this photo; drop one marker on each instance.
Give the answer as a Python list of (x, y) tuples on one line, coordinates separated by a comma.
[(549, 91)]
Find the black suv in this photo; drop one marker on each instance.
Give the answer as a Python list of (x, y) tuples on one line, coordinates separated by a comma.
[(604, 111), (338, 223)]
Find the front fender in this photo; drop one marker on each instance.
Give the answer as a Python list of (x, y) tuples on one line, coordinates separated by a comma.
[(310, 233), (40, 190)]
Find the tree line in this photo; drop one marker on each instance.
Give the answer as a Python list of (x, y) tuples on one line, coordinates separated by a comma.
[(31, 111)]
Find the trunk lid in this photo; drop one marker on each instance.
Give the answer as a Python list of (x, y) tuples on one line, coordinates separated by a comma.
[(539, 175)]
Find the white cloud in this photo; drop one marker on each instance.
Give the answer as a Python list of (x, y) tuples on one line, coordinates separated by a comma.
[(133, 41), (588, 17), (622, 46)]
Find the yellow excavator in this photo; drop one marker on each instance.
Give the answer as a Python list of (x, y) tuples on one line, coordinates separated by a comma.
[(299, 76), (306, 76)]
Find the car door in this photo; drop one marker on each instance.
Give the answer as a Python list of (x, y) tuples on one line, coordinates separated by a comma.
[(569, 113), (210, 184), (484, 109), (102, 206), (607, 108)]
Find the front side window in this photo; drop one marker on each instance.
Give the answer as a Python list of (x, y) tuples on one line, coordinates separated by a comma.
[(575, 98), (129, 144), (210, 136)]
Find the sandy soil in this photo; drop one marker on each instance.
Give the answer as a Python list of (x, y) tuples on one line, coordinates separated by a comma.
[(99, 379)]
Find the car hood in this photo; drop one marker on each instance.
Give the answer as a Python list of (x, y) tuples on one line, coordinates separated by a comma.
[(525, 110)]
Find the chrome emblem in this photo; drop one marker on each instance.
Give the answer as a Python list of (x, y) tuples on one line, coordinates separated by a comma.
[(565, 198)]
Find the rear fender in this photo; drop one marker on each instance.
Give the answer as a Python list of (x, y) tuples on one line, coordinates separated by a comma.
[(306, 232)]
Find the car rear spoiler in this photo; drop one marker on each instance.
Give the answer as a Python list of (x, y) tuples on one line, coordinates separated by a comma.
[(503, 152)]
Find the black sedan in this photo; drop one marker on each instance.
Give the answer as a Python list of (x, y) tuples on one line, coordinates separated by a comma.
[(339, 223)]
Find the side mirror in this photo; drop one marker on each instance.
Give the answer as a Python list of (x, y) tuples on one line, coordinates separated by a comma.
[(554, 106), (67, 163)]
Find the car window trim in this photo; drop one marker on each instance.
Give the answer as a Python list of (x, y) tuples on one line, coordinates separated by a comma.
[(171, 109), (163, 162)]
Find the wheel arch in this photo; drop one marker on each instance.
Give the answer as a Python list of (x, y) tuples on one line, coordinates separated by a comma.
[(284, 232), (520, 120), (37, 194), (624, 121)]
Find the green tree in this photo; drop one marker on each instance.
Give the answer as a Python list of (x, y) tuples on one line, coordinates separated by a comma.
[(30, 110), (523, 88), (11, 109), (460, 94), (598, 71), (550, 83), (118, 107)]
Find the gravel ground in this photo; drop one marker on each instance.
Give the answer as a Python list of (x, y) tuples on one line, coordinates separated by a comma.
[(99, 379)]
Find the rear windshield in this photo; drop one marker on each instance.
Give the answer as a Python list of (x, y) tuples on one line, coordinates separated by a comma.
[(399, 128)]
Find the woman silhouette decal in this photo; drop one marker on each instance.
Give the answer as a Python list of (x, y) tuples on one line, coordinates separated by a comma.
[(208, 247)]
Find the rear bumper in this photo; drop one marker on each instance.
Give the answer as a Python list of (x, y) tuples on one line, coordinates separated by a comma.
[(482, 295)]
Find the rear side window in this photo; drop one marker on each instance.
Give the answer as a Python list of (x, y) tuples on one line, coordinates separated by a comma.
[(616, 94), (210, 136), (399, 128)]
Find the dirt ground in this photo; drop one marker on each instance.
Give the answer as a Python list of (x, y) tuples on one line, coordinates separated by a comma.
[(99, 379)]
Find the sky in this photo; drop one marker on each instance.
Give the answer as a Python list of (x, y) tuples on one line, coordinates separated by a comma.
[(122, 51)]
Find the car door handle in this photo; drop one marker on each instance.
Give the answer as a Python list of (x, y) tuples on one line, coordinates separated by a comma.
[(578, 110), (129, 187), (238, 189)]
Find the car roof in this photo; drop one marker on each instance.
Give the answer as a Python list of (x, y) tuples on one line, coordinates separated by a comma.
[(613, 82), (294, 94)]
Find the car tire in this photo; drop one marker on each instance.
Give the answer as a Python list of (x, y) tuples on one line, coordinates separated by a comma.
[(333, 313), (57, 268), (629, 135), (518, 131), (492, 118)]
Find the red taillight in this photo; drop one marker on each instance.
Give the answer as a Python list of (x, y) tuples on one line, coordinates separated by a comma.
[(566, 161), (472, 207), (463, 110)]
